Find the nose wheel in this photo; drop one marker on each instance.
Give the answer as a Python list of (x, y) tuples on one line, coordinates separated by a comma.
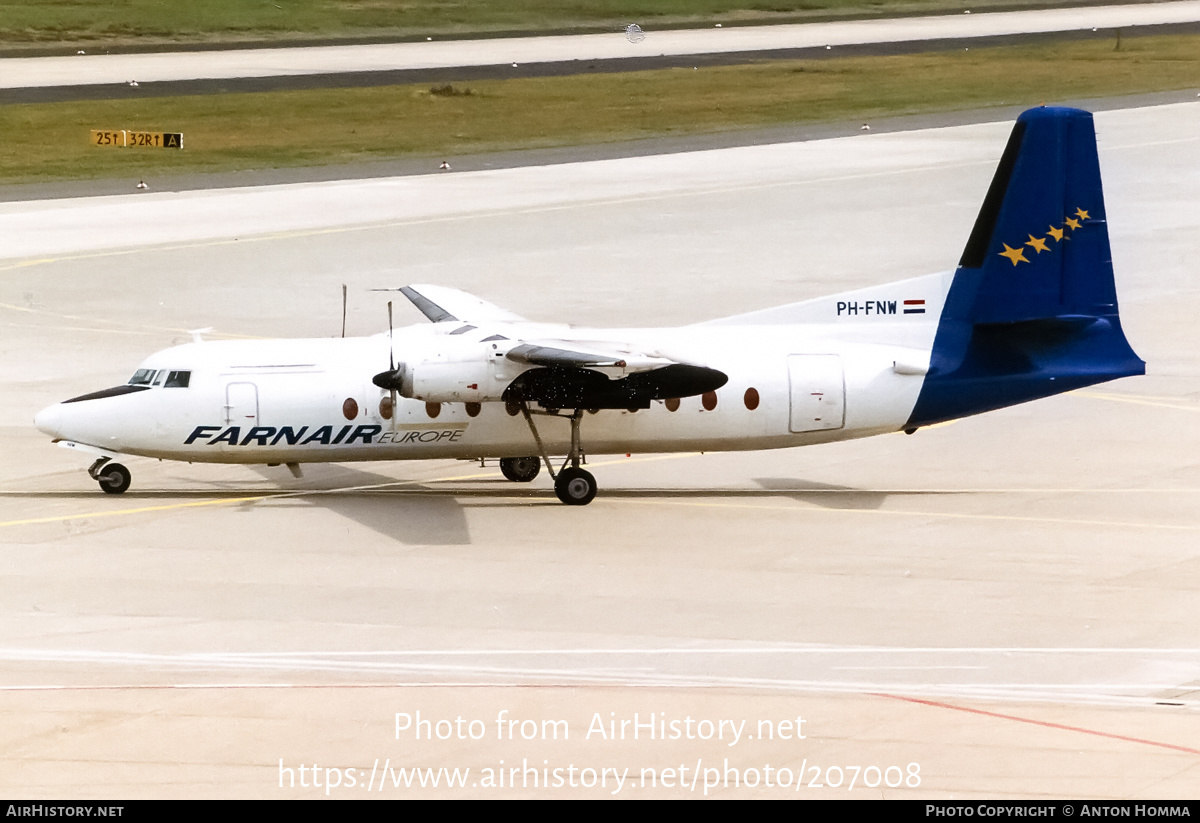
[(112, 477)]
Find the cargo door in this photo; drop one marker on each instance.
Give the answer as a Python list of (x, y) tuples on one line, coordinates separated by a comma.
[(818, 392)]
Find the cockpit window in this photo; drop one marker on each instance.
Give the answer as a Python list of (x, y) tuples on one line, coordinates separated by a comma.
[(161, 377)]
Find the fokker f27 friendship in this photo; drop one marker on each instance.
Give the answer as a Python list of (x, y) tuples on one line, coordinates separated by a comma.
[(1030, 311)]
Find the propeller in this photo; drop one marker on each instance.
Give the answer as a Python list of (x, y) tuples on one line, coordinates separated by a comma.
[(393, 378)]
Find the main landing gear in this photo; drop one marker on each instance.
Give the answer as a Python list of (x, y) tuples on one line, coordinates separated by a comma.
[(520, 469), (573, 485), (112, 477)]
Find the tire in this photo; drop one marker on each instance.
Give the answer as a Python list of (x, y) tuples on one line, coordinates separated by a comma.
[(114, 479), (520, 469), (575, 487)]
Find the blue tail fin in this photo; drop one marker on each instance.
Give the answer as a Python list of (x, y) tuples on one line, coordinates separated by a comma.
[(1032, 309)]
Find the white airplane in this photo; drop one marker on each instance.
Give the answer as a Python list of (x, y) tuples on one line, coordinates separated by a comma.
[(1031, 311)]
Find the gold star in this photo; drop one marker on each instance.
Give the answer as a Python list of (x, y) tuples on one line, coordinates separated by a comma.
[(1038, 244), (1072, 222), (1057, 234), (1015, 255), (1083, 215)]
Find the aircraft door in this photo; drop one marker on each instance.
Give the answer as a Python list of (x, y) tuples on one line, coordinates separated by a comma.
[(818, 392), (241, 404)]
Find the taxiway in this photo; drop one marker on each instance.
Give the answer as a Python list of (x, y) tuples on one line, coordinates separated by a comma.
[(99, 69), (1008, 602)]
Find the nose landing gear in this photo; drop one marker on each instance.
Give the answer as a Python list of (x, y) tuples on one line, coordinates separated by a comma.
[(112, 477)]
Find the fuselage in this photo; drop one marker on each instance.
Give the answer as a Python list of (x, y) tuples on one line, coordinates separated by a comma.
[(312, 400)]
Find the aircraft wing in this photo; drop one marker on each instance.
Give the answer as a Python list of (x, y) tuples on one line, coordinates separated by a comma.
[(572, 373), (441, 303)]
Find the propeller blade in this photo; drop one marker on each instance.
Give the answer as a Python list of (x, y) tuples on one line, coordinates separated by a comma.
[(389, 379)]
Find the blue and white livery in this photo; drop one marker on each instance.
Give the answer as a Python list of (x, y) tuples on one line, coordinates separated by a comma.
[(1030, 311)]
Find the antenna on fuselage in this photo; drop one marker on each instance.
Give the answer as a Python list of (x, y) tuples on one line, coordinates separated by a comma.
[(343, 310)]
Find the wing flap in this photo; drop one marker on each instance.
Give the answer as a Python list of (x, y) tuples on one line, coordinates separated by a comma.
[(537, 354), (565, 354)]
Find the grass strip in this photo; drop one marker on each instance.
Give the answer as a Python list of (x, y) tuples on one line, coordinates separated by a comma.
[(287, 129)]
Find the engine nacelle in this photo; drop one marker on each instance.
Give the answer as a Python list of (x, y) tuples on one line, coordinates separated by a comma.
[(453, 382), (455, 371)]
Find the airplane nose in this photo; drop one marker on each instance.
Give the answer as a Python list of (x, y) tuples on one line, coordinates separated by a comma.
[(48, 419)]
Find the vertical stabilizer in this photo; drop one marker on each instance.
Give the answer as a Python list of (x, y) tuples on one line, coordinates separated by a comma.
[(1032, 310)]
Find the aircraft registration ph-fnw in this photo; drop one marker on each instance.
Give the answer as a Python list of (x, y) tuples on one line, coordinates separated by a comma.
[(1030, 311)]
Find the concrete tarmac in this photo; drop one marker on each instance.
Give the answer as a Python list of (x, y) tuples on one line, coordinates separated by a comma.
[(1001, 607)]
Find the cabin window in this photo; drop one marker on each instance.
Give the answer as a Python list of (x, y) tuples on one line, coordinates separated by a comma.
[(178, 380)]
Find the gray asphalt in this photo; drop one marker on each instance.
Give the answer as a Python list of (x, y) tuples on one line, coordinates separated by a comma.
[(360, 79)]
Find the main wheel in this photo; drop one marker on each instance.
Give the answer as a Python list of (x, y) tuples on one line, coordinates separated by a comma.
[(520, 469), (575, 487), (114, 478)]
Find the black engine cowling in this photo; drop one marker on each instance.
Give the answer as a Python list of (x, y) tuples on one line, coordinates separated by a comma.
[(576, 388)]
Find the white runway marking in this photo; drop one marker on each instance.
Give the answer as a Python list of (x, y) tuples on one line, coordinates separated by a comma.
[(1081, 675)]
